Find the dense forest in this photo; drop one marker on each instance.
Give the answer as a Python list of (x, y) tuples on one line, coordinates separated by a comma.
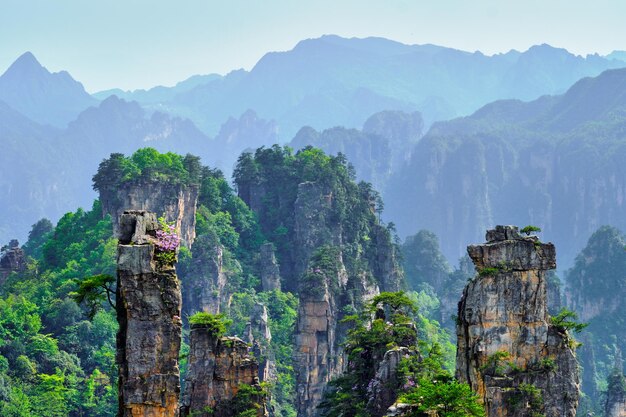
[(296, 259), (58, 320)]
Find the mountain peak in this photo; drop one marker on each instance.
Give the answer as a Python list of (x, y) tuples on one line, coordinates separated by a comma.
[(26, 64)]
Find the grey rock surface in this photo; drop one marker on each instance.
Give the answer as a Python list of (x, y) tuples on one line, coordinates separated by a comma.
[(148, 311), (507, 350)]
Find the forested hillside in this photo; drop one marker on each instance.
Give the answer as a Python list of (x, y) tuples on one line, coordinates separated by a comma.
[(555, 162)]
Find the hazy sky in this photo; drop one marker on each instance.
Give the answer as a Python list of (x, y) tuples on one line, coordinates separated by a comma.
[(141, 43)]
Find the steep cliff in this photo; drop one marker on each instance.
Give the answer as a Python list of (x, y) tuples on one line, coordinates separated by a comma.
[(259, 336), (148, 311), (166, 184), (616, 393), (595, 290), (12, 259), (331, 250), (507, 350), (270, 272), (555, 162), (222, 380), (175, 202), (205, 278)]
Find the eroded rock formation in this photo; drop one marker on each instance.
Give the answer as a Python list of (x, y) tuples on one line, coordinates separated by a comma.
[(148, 312), (383, 389), (219, 367), (259, 336), (507, 350), (205, 278), (328, 288), (176, 202), (616, 393), (12, 259), (270, 272)]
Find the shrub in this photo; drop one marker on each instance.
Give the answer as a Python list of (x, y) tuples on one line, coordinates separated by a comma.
[(566, 320), (528, 230), (216, 324)]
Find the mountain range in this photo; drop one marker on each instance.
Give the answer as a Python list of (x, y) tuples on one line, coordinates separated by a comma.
[(333, 81), (371, 99), (555, 162)]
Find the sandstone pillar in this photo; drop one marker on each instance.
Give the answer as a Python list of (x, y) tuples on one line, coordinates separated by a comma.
[(218, 368), (148, 312), (509, 353)]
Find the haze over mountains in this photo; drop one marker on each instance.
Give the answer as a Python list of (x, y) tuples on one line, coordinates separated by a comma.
[(53, 134), (333, 81)]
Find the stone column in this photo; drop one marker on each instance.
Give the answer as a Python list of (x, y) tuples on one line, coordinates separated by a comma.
[(508, 350), (148, 312), (218, 367)]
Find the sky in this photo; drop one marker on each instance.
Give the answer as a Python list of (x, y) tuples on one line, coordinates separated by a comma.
[(132, 44)]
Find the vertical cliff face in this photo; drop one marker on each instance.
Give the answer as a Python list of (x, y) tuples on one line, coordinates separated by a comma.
[(318, 355), (205, 278), (148, 312), (12, 259), (331, 248), (616, 393), (177, 202), (270, 272), (219, 368), (507, 351), (259, 336)]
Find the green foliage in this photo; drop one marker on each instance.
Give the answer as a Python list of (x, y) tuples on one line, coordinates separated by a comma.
[(60, 358), (423, 262), (445, 398), (324, 267), (528, 230), (486, 272), (368, 340), (215, 324), (529, 397), (93, 290), (146, 164), (499, 364), (36, 238), (270, 179), (248, 400), (566, 321)]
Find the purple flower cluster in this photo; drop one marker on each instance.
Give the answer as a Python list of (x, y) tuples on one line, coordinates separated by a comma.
[(167, 240)]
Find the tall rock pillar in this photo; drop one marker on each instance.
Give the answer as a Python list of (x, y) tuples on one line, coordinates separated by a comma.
[(148, 312), (219, 368), (509, 353)]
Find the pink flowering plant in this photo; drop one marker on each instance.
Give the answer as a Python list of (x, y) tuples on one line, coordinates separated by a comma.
[(167, 243)]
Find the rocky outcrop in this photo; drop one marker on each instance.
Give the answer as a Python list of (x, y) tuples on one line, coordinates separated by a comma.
[(205, 278), (509, 353), (270, 272), (148, 311), (327, 289), (259, 336), (383, 389), (176, 202), (12, 259), (386, 267), (313, 225), (219, 367), (318, 355), (616, 392)]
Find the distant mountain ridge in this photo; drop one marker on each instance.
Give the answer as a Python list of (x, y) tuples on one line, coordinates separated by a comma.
[(556, 162), (45, 97), (321, 83), (334, 81)]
